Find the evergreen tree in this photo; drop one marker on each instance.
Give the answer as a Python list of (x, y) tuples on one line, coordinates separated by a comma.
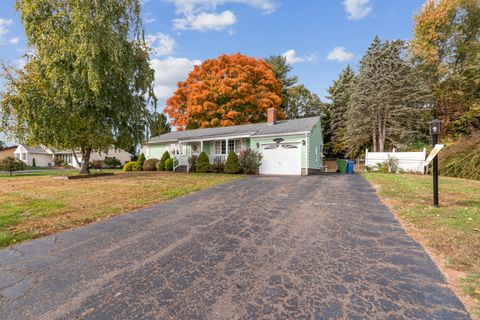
[(158, 124), (340, 93), (203, 163), (232, 165), (300, 103), (386, 101), (161, 163), (282, 69)]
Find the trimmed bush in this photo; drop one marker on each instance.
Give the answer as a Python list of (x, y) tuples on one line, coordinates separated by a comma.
[(203, 163), (150, 165), (218, 167), (112, 162), (169, 164), (250, 161), (96, 164), (137, 167), (161, 163), (232, 165), (129, 166), (34, 163)]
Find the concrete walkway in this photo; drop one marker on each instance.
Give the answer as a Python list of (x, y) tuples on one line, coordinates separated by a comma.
[(318, 247)]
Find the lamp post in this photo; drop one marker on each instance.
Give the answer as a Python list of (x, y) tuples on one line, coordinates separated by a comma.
[(435, 128)]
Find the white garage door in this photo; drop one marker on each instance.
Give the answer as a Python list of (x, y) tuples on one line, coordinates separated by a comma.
[(283, 158)]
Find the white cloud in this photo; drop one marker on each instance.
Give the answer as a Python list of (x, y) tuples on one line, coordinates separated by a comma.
[(5, 26), (14, 40), (196, 6), (292, 57), (357, 9), (202, 15), (162, 44), (168, 72), (206, 21), (340, 54)]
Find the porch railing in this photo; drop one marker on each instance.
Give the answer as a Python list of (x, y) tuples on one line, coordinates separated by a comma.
[(217, 158), (181, 160)]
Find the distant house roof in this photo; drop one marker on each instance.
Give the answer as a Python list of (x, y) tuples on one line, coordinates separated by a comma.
[(36, 150), (257, 129)]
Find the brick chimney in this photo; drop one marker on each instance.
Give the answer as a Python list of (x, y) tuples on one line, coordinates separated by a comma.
[(272, 116)]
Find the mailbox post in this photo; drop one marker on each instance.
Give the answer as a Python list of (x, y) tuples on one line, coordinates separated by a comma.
[(435, 128)]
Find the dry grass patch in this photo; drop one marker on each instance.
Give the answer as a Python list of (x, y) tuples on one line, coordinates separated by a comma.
[(34, 206), (450, 233)]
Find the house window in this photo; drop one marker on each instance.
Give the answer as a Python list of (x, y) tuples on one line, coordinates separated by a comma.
[(23, 156), (220, 147), (238, 146), (231, 145)]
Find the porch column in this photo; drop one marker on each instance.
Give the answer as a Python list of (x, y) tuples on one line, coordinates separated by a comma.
[(201, 146), (226, 145)]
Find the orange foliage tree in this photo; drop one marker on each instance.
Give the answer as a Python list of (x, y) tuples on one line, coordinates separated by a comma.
[(230, 90)]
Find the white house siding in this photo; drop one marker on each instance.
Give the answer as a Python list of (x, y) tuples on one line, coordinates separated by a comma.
[(41, 160), (121, 155)]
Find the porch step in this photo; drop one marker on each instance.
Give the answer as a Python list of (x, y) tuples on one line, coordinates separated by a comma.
[(181, 169)]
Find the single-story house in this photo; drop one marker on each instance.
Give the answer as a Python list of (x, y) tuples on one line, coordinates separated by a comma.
[(288, 147), (44, 157), (7, 152)]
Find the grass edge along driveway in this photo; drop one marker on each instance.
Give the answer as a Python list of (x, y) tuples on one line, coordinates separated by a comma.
[(451, 233), (36, 206)]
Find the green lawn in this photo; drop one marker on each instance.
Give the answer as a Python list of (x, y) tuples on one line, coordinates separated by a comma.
[(36, 205), (451, 232)]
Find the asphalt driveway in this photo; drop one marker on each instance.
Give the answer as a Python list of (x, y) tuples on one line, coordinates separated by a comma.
[(318, 247)]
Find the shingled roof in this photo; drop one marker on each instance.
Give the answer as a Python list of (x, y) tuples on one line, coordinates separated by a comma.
[(257, 129)]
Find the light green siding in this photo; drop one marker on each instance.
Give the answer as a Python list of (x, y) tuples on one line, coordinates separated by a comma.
[(156, 150), (315, 142)]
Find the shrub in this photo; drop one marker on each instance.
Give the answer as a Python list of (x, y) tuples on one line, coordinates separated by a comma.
[(150, 165), (462, 158), (169, 164), (161, 164), (250, 161), (218, 167), (112, 162), (96, 164), (141, 159), (12, 164), (137, 167), (129, 166), (203, 163), (34, 163), (192, 162), (57, 162), (232, 165), (388, 166)]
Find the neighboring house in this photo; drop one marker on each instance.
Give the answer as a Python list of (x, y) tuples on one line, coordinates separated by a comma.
[(44, 157), (7, 152), (288, 147)]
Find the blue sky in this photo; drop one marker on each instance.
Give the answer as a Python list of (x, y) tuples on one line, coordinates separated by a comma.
[(319, 37)]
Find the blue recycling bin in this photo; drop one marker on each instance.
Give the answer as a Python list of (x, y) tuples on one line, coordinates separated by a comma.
[(350, 165)]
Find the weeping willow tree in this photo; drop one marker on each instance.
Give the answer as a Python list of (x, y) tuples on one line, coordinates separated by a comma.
[(87, 83)]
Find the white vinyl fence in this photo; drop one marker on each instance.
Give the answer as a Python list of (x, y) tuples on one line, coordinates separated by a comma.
[(407, 161)]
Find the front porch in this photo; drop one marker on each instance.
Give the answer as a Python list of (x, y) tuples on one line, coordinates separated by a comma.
[(216, 149)]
